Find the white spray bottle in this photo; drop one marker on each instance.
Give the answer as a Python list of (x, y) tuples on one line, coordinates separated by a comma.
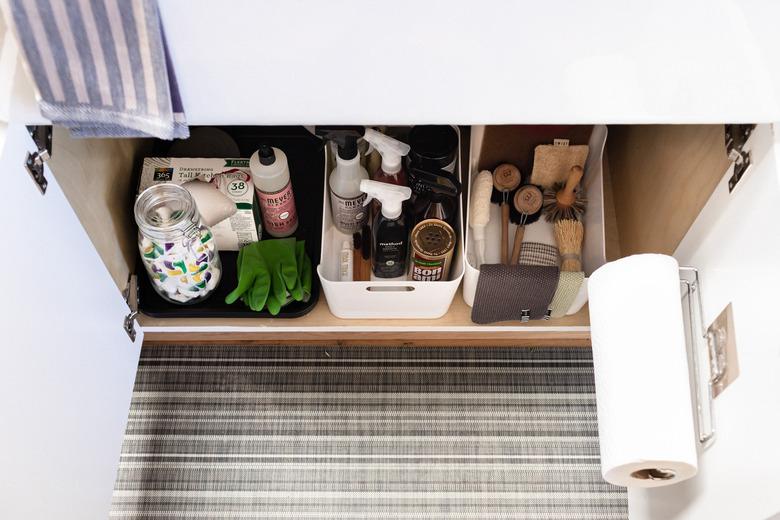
[(389, 232), (346, 199), (392, 150)]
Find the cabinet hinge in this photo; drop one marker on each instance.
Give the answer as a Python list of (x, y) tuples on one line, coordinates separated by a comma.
[(34, 161), (736, 137), (131, 297)]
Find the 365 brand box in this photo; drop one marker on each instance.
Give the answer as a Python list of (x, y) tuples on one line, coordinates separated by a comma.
[(230, 176)]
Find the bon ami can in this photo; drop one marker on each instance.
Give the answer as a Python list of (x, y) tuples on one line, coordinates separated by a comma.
[(433, 242)]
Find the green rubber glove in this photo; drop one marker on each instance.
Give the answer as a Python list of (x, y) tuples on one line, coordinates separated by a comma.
[(254, 279), (304, 269), (279, 255)]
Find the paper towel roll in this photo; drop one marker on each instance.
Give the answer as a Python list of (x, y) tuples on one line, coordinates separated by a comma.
[(643, 396), (213, 205)]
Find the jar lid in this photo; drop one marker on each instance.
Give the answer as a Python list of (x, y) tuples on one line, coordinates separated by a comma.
[(434, 142), (165, 210)]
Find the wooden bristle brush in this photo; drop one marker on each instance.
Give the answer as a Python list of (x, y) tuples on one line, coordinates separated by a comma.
[(526, 209), (506, 178), (568, 236), (565, 201)]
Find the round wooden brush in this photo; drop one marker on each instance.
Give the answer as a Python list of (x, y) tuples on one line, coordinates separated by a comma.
[(506, 178), (565, 201), (568, 236), (526, 209)]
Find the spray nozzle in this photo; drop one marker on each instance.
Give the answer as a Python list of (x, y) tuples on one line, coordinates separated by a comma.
[(389, 195), (390, 149), (435, 184), (344, 136)]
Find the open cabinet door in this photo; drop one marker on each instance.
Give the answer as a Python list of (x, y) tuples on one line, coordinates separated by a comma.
[(735, 244), (67, 367)]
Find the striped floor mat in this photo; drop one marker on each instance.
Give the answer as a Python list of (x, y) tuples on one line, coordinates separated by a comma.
[(364, 432)]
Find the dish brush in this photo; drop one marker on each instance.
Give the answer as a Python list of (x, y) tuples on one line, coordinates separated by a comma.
[(526, 208), (568, 236), (479, 211), (565, 201), (506, 179)]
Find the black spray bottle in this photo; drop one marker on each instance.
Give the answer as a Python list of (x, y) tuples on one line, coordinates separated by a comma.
[(389, 232)]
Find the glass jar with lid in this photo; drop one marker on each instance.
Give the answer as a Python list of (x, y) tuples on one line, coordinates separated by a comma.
[(177, 248)]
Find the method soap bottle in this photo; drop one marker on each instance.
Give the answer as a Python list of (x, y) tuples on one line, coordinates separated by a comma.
[(271, 178), (389, 232)]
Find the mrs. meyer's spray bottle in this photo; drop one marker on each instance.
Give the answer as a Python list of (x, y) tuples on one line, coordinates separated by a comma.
[(346, 199), (392, 150), (390, 234)]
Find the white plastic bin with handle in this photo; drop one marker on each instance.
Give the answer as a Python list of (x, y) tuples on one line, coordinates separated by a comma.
[(384, 299)]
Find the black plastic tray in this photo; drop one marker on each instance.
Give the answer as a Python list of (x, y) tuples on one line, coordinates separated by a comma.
[(307, 163)]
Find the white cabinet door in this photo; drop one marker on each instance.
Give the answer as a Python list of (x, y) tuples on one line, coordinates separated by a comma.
[(66, 366), (735, 243), (475, 62), (470, 62)]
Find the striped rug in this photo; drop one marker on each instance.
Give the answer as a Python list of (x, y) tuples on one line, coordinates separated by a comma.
[(364, 432)]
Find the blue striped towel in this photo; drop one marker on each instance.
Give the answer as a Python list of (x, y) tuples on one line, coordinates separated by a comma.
[(101, 66)]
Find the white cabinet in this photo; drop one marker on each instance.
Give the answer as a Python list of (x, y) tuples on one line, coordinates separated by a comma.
[(471, 62), (734, 243), (68, 367), (475, 62)]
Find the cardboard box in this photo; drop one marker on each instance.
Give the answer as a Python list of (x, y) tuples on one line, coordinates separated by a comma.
[(231, 177)]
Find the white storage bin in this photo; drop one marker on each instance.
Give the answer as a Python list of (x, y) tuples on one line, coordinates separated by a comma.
[(594, 243), (384, 299)]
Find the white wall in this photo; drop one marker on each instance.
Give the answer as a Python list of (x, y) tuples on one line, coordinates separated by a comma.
[(735, 243)]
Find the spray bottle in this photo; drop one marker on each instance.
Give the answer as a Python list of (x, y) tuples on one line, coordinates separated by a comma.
[(389, 232), (346, 199), (437, 196), (392, 150)]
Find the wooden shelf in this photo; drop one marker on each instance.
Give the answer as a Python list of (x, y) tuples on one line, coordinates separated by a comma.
[(320, 326)]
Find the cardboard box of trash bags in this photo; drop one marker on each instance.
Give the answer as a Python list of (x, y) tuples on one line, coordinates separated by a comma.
[(240, 222)]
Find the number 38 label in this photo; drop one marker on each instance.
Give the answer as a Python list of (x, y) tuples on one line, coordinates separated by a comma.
[(237, 188)]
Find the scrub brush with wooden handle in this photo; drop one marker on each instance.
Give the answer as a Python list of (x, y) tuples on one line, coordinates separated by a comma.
[(506, 179), (568, 236), (565, 201)]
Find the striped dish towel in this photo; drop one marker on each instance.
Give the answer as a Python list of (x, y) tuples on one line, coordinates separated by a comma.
[(101, 66)]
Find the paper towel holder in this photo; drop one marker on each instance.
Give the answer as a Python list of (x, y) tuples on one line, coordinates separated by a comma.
[(700, 344)]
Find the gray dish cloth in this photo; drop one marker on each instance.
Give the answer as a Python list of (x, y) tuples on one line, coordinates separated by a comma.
[(513, 292), (101, 67)]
